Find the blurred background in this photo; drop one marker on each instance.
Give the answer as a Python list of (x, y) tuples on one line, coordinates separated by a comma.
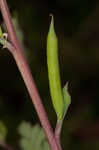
[(77, 28)]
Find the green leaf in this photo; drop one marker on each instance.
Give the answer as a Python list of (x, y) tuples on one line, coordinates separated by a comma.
[(25, 129), (2, 41), (67, 98), (1, 34), (32, 137), (3, 131)]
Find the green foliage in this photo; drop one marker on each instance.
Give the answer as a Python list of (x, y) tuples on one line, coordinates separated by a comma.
[(67, 98), (32, 137), (3, 131), (2, 39), (1, 34)]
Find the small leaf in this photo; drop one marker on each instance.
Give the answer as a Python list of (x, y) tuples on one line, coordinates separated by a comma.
[(67, 98), (32, 137), (25, 129), (1, 34), (3, 41), (3, 131)]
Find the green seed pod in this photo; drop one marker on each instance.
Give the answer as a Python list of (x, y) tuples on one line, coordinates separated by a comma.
[(53, 72)]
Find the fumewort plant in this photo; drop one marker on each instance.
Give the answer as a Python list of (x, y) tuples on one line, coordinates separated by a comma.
[(60, 97)]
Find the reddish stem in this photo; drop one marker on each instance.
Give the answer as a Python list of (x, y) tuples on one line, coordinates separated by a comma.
[(27, 77)]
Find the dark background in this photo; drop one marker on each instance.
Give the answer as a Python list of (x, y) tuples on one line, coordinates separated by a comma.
[(77, 28)]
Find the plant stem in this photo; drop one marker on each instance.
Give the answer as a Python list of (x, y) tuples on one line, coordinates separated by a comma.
[(17, 52), (21, 63), (58, 130)]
